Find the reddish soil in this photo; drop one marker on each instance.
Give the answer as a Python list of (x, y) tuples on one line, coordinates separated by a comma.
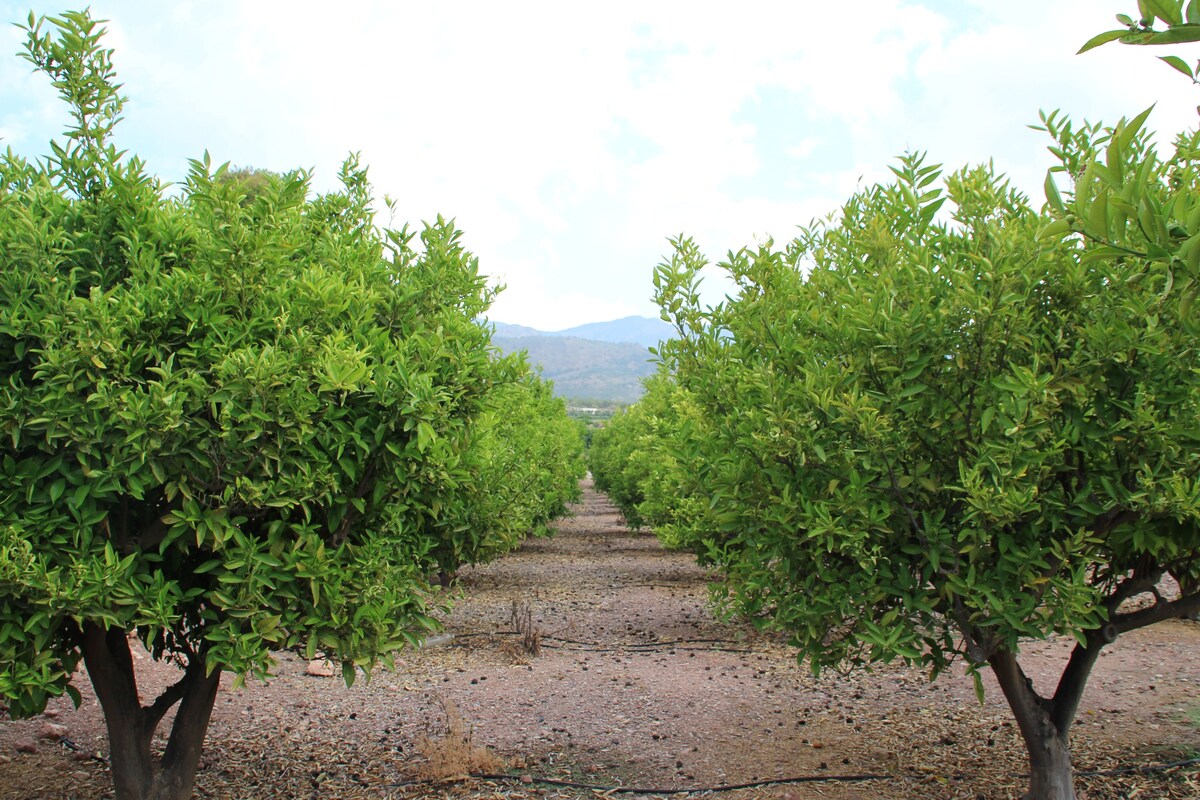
[(635, 684)]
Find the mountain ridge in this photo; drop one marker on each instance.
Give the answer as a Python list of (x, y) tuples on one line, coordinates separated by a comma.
[(646, 331), (584, 365)]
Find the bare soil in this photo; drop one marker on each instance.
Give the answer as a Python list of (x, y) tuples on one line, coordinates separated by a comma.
[(591, 657)]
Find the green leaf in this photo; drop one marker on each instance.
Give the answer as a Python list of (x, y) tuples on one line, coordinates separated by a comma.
[(1055, 230), (1103, 38), (1053, 198), (1176, 34), (1179, 64), (80, 495), (977, 680), (1130, 129), (1169, 11), (1166, 10), (1098, 215), (425, 436)]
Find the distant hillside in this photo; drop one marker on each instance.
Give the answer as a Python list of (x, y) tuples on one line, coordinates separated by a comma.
[(513, 331), (645, 331), (585, 369)]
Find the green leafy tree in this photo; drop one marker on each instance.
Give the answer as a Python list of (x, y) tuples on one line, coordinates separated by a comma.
[(610, 459), (525, 467), (645, 458), (934, 440), (252, 182), (232, 422)]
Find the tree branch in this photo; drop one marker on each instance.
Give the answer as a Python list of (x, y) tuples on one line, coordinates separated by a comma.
[(1132, 586), (979, 651), (153, 713), (1065, 703), (1182, 607)]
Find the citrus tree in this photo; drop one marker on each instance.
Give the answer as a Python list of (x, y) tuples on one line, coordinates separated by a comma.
[(645, 459), (233, 419), (941, 423), (525, 467), (612, 463)]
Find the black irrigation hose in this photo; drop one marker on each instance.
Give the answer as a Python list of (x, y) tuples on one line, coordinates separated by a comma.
[(600, 647), (702, 789), (859, 778), (635, 645), (642, 649), (74, 748)]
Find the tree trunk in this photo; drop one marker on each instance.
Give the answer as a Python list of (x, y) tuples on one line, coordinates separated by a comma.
[(1046, 723), (136, 773), (177, 773), (1050, 776)]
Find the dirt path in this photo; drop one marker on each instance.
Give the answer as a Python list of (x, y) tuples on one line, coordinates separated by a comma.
[(635, 684)]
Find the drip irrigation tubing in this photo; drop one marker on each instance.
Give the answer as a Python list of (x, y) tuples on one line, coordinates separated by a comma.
[(863, 778), (1144, 769), (600, 647), (850, 778), (625, 649)]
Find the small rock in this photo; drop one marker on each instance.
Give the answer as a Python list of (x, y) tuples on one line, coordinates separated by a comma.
[(51, 713), (320, 668), (26, 746), (51, 731)]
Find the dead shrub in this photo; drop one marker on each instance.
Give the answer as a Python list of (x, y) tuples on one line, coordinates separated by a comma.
[(530, 638), (451, 754)]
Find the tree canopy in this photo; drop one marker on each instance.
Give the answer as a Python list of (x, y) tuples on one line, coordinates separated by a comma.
[(943, 422), (235, 418)]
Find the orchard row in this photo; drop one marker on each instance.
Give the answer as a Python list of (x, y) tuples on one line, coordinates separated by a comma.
[(945, 420), (237, 418)]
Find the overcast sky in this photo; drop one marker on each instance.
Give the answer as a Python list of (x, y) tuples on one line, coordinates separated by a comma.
[(571, 139)]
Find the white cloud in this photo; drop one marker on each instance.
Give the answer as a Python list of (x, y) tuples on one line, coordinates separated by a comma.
[(804, 148), (559, 311)]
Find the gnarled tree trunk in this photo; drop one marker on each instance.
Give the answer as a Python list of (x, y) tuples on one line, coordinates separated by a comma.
[(1045, 723), (137, 774)]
